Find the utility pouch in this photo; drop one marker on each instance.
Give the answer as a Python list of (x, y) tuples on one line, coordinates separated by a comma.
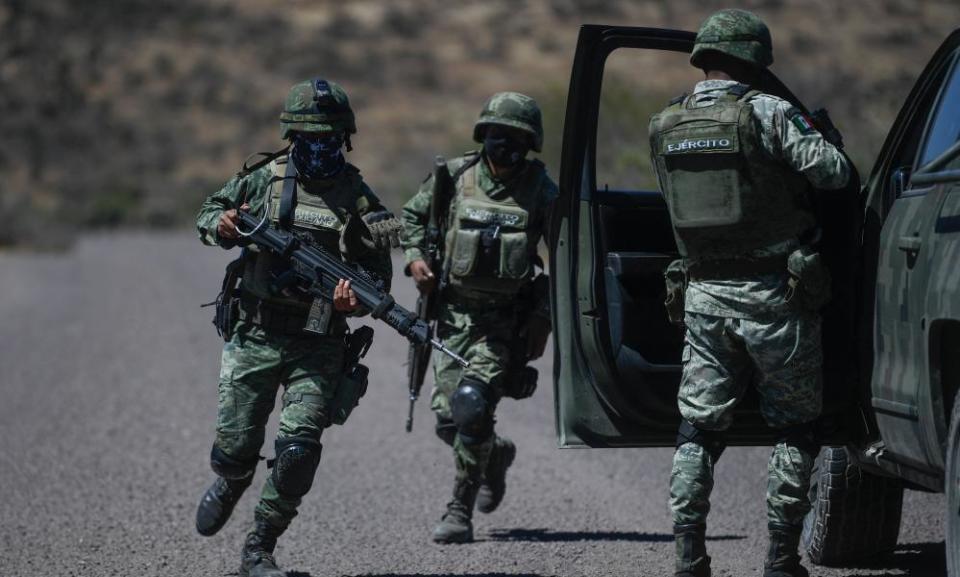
[(226, 307), (809, 279), (353, 384), (488, 257), (675, 280), (521, 384)]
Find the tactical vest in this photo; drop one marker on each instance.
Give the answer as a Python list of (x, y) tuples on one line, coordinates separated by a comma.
[(726, 195), (491, 243), (314, 221)]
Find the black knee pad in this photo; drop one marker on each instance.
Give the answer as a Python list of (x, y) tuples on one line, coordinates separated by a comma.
[(714, 442), (803, 437), (230, 468), (471, 407), (446, 429), (295, 465)]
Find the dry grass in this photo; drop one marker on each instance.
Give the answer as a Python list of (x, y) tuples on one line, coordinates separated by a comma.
[(130, 112)]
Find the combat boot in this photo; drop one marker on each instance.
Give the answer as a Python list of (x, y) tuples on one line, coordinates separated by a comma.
[(218, 502), (692, 558), (456, 526), (494, 483), (783, 558), (256, 558)]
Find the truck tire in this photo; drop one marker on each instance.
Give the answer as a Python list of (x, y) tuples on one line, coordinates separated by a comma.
[(854, 514), (952, 482)]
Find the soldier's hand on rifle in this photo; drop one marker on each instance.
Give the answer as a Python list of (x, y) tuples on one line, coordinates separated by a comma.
[(344, 299), (227, 227), (423, 276)]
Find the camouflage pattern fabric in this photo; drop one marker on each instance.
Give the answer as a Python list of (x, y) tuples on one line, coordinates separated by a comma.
[(743, 332), (482, 334), (736, 33), (303, 112), (722, 356), (416, 212), (781, 357), (254, 365), (255, 362), (515, 110), (803, 150), (788, 482), (347, 190), (479, 328)]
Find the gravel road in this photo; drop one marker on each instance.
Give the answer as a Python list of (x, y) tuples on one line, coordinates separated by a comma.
[(108, 372)]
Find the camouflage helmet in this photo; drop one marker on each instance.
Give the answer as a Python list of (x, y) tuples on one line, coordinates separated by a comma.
[(511, 109), (736, 33), (317, 105)]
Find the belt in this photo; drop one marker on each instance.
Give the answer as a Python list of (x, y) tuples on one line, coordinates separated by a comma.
[(478, 301), (735, 268), (272, 317)]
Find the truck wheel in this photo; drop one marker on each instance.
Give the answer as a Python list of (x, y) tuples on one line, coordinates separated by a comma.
[(854, 514), (952, 483)]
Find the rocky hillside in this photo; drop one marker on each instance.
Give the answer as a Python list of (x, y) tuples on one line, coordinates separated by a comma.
[(128, 112)]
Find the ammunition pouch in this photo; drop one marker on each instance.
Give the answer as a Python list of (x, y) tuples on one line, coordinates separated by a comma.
[(226, 307), (675, 280), (809, 279), (353, 384)]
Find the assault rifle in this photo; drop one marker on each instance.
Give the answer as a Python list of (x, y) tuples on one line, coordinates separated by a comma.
[(318, 272), (418, 357)]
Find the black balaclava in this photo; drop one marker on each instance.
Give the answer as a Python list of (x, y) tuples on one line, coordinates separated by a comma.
[(318, 155), (505, 150)]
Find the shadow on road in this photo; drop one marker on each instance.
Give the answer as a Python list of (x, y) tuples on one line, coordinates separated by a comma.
[(434, 575), (910, 560), (548, 536)]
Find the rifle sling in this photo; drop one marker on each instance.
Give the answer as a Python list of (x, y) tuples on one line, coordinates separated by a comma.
[(288, 197)]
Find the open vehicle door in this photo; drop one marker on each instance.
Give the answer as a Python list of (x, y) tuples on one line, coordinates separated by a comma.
[(617, 358)]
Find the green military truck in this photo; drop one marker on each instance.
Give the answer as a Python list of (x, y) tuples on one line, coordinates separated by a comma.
[(891, 334)]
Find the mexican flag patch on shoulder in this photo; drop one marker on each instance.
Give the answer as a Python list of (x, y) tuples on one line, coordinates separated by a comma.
[(800, 120)]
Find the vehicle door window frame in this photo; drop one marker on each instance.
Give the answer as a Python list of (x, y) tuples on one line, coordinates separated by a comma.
[(952, 75), (920, 179)]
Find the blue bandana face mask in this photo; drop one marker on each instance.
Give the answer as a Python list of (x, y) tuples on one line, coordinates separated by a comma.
[(317, 155)]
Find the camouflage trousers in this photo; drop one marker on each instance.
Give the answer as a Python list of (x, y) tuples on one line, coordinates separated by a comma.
[(254, 365), (482, 335), (722, 356)]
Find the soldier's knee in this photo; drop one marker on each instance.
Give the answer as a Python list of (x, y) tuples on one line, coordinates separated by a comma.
[(231, 467), (471, 407), (803, 437), (446, 429), (295, 465), (713, 442)]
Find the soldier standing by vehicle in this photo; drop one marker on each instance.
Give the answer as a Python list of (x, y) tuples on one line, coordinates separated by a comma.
[(493, 310), (277, 335), (735, 166)]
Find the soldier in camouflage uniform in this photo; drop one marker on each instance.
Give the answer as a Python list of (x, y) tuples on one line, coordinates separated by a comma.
[(309, 189), (735, 166), (493, 310)]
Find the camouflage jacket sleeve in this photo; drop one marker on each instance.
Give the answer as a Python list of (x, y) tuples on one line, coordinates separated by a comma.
[(250, 189), (788, 134), (376, 262), (416, 214)]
